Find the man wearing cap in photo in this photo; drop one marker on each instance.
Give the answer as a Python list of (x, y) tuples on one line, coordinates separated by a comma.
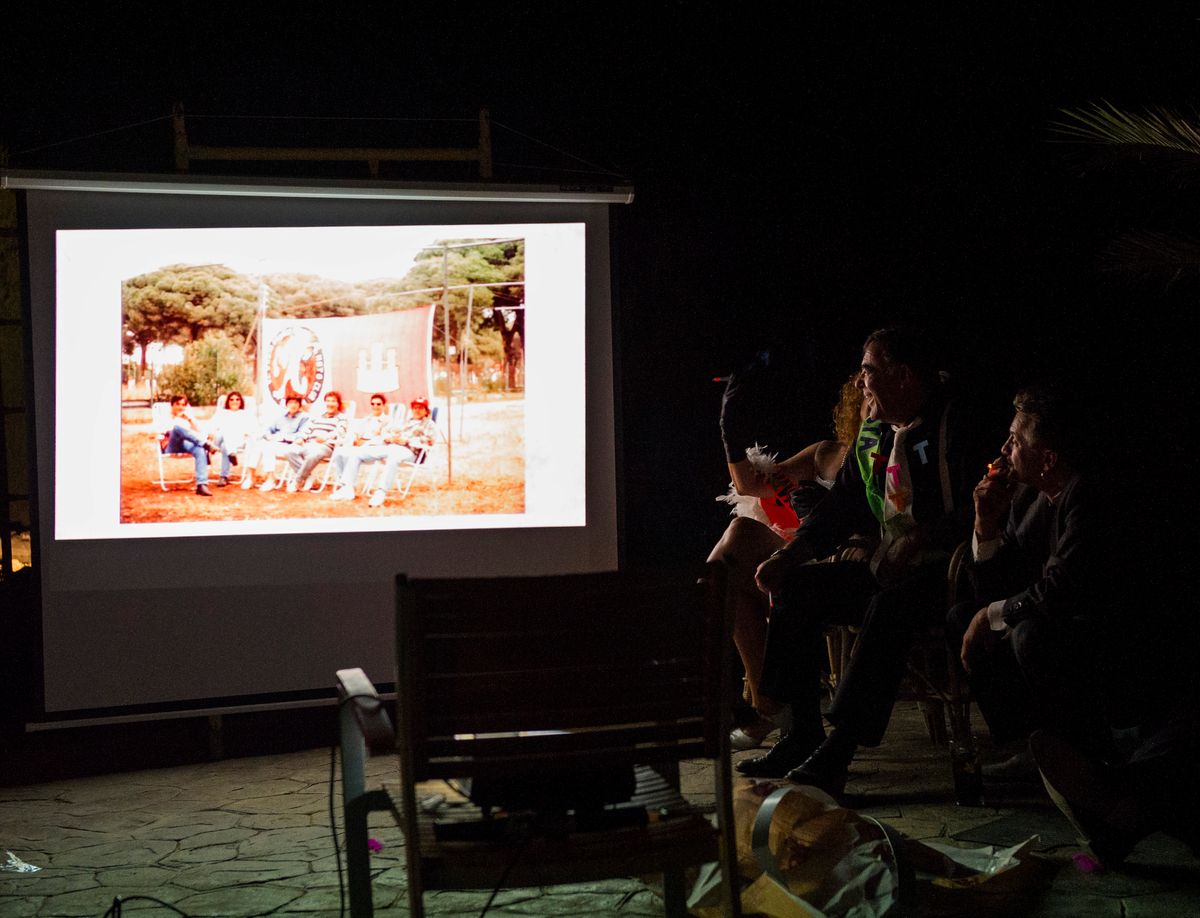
[(396, 444)]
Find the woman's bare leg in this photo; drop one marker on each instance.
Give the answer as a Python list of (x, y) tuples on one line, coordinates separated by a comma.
[(745, 544)]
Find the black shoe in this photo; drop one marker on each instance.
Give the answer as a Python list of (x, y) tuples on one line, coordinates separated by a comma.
[(233, 458), (826, 767), (203, 491), (222, 481), (780, 758), (1094, 798)]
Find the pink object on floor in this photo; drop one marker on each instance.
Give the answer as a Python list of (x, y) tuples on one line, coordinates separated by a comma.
[(374, 844), (1085, 863)]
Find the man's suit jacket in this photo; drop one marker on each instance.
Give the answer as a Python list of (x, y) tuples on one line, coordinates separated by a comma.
[(1049, 564), (946, 424)]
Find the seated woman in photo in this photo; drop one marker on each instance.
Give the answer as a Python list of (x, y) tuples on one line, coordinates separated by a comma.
[(232, 427)]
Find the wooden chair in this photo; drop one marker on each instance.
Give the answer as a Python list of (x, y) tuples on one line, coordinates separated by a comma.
[(541, 681), (935, 678)]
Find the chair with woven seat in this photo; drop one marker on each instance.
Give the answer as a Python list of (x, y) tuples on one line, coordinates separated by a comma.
[(935, 679), (545, 695)]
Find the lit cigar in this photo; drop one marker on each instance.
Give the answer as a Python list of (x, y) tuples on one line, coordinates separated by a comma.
[(997, 468)]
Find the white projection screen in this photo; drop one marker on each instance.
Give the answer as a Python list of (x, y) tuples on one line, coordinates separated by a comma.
[(157, 600)]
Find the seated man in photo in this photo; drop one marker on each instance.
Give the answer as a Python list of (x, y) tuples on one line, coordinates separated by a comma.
[(316, 442), (1031, 642), (185, 437), (397, 443), (366, 445), (264, 453)]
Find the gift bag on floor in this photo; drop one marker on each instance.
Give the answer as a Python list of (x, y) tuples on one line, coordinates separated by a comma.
[(800, 855)]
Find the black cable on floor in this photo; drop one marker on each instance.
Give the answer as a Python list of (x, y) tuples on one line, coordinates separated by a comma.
[(503, 876), (115, 910), (337, 853)]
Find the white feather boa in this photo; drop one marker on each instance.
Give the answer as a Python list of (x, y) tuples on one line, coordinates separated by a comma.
[(746, 505)]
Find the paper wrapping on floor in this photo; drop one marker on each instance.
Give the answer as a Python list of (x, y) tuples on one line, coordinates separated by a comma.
[(803, 856), (957, 868), (13, 864), (800, 855), (979, 882)]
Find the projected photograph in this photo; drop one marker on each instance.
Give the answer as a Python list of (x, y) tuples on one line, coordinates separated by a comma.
[(382, 375)]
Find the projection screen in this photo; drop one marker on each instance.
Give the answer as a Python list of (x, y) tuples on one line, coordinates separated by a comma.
[(493, 304)]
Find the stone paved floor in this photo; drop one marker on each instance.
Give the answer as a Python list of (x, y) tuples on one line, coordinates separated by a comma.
[(251, 836)]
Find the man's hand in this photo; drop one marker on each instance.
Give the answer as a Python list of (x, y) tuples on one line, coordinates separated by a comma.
[(855, 553), (993, 495), (771, 573), (894, 565), (978, 639)]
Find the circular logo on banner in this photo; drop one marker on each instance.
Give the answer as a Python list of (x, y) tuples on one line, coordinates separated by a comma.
[(295, 365)]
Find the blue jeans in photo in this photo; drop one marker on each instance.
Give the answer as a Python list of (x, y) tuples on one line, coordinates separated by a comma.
[(184, 440)]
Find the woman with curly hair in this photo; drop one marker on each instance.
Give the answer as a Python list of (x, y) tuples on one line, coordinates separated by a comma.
[(769, 500)]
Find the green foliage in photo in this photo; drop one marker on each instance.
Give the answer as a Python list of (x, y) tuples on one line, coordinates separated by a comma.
[(211, 366)]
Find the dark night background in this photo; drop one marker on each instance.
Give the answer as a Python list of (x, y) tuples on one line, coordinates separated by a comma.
[(800, 175)]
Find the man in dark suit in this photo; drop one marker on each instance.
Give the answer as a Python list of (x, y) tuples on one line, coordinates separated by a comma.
[(908, 481), (1032, 640)]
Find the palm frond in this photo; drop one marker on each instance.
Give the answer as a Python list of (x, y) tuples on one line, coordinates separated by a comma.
[(1154, 256), (1104, 123)]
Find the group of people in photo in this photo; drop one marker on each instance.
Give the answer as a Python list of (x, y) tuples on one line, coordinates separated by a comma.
[(285, 453), (876, 514)]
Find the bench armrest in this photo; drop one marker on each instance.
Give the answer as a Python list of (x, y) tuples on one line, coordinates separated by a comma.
[(356, 692)]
